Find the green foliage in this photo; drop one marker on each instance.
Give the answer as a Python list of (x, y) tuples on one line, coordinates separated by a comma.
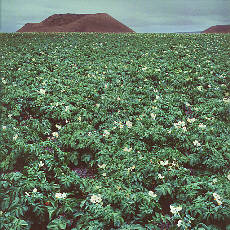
[(114, 131)]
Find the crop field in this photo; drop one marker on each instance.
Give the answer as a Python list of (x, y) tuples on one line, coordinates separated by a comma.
[(114, 131)]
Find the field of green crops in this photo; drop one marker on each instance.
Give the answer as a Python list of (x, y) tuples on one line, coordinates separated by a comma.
[(114, 131)]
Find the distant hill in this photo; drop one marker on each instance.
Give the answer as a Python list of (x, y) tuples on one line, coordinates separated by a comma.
[(100, 22), (218, 29)]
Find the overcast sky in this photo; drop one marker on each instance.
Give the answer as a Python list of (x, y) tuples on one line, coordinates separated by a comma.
[(143, 16)]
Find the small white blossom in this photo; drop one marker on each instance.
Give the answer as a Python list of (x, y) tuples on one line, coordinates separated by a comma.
[(3, 127), (10, 115), (228, 176), (41, 164), (66, 108), (55, 134), (157, 97), (60, 195), (152, 194), (103, 174), (160, 176), (64, 195), (196, 143), (96, 199), (58, 126), (42, 91), (179, 223), (174, 209), (200, 88), (35, 190), (191, 120), (129, 124), (153, 115), (106, 133), (102, 166), (79, 118), (216, 196), (4, 81), (226, 100), (202, 126), (118, 98), (184, 129), (163, 163), (127, 150), (15, 137)]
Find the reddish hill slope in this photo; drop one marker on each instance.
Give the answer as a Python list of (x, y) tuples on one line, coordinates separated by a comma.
[(101, 22), (218, 29)]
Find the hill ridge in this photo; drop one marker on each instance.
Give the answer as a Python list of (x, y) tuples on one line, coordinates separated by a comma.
[(99, 22)]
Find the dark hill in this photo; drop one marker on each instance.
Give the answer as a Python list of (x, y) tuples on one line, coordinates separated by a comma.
[(218, 29), (100, 22)]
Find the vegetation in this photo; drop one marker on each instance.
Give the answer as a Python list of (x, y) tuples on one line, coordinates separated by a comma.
[(115, 131)]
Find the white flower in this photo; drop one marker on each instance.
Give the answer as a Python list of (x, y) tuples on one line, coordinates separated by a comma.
[(127, 150), (153, 115), (216, 196), (15, 137), (196, 143), (200, 88), (164, 163), (184, 129), (55, 134), (89, 134), (103, 174), (58, 126), (174, 209), (64, 195), (102, 166), (40, 164), (42, 91), (79, 118), (186, 103), (35, 190), (96, 199), (10, 115), (191, 120), (157, 97), (4, 127), (129, 124), (228, 176), (58, 195), (118, 98), (202, 126), (106, 133), (219, 202), (152, 194), (66, 108), (226, 100), (179, 223), (160, 176), (4, 81)]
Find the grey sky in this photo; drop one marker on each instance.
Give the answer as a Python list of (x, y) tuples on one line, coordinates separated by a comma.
[(143, 16)]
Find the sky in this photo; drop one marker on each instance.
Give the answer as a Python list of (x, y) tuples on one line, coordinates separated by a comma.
[(142, 16)]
